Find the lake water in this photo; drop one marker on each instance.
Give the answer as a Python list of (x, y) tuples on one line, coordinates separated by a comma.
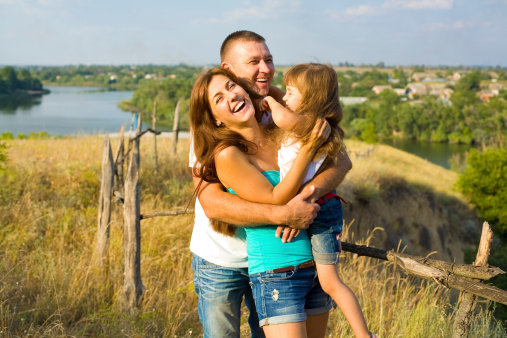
[(438, 153), (77, 110), (67, 111)]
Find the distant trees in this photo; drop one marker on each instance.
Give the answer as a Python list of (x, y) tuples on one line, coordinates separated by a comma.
[(464, 120), (122, 77), (166, 93), (484, 181), (12, 81)]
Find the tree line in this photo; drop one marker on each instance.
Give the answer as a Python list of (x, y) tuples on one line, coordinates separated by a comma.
[(13, 81), (464, 118), (119, 77)]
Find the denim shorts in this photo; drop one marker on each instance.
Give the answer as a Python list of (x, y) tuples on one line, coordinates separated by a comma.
[(288, 297), (323, 231)]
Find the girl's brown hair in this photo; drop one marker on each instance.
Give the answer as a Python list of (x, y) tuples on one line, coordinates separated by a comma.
[(318, 85), (209, 139)]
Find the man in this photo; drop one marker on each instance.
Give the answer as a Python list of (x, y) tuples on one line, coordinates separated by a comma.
[(220, 262)]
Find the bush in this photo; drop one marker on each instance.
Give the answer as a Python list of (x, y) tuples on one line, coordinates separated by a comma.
[(6, 135), (3, 156), (41, 135), (484, 181)]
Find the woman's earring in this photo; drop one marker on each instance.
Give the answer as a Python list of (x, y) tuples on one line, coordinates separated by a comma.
[(219, 124)]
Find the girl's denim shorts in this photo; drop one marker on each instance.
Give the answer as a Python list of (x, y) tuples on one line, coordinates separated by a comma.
[(323, 231), (288, 297)]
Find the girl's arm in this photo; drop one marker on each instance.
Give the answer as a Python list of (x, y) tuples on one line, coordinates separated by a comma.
[(283, 117), (236, 172)]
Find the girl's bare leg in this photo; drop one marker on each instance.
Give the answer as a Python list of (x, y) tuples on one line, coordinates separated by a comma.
[(316, 325), (286, 330), (344, 297)]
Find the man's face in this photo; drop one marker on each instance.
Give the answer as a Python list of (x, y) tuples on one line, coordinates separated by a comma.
[(251, 61)]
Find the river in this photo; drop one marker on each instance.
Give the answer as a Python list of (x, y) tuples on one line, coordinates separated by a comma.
[(91, 110), (67, 111)]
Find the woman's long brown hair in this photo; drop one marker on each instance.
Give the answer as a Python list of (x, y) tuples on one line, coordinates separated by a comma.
[(209, 139)]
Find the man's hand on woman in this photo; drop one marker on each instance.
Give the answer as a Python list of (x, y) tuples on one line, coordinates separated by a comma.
[(300, 213)]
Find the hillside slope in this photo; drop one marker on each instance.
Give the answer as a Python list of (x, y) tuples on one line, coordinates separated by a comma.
[(411, 199)]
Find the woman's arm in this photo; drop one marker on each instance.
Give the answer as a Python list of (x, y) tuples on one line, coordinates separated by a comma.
[(221, 205), (237, 172)]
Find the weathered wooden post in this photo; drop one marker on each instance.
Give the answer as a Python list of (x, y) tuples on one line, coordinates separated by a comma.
[(132, 123), (176, 125), (119, 159), (104, 213), (469, 301), (132, 287), (154, 126), (137, 140)]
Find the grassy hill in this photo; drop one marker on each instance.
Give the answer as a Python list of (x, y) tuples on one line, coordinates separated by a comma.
[(49, 285)]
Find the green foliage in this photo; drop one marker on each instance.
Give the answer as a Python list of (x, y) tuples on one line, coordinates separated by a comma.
[(469, 82), (41, 135), (12, 81), (3, 156), (6, 135), (166, 94), (465, 119), (364, 129), (484, 181)]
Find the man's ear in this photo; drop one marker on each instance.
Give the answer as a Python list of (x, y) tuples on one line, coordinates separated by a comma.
[(228, 66)]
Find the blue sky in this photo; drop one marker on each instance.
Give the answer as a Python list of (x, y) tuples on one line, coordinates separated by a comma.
[(396, 32)]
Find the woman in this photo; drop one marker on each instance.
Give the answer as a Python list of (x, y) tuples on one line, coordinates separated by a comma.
[(233, 149)]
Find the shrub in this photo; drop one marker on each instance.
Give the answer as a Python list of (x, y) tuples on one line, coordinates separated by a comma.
[(6, 135), (484, 181), (3, 156)]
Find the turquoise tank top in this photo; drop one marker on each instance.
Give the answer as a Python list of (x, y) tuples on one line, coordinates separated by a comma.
[(267, 252)]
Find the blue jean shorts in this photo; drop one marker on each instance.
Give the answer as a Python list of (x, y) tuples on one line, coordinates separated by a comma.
[(288, 297), (323, 231)]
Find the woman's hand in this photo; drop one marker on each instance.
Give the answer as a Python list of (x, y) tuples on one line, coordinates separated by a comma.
[(320, 134)]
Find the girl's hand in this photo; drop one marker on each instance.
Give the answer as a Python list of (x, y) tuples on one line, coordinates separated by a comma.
[(264, 104), (320, 134)]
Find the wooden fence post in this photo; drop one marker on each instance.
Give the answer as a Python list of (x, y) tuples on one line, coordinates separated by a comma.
[(137, 152), (132, 287), (468, 301), (118, 162), (176, 125), (132, 122), (154, 126), (104, 212)]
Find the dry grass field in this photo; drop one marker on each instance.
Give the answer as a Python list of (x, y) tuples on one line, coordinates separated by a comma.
[(50, 286)]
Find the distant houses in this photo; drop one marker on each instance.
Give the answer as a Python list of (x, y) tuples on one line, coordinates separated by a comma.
[(426, 83), (379, 88)]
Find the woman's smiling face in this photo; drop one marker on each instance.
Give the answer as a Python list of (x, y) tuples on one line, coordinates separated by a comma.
[(229, 102)]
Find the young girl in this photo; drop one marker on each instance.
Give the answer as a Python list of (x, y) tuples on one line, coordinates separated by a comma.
[(312, 94)]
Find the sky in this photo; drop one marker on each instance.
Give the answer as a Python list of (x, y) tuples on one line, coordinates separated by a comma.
[(113, 32)]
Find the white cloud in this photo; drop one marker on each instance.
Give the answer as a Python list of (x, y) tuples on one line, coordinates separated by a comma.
[(363, 10), (419, 4), (268, 10), (353, 13), (458, 25)]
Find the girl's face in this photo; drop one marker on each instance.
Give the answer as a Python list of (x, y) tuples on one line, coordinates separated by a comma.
[(229, 102), (292, 98)]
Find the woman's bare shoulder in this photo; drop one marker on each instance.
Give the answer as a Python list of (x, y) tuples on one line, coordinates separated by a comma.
[(229, 153)]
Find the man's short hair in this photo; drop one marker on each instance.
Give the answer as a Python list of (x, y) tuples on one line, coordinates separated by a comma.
[(243, 36)]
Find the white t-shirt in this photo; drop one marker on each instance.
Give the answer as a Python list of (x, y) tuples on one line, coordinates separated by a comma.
[(286, 156), (211, 245)]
